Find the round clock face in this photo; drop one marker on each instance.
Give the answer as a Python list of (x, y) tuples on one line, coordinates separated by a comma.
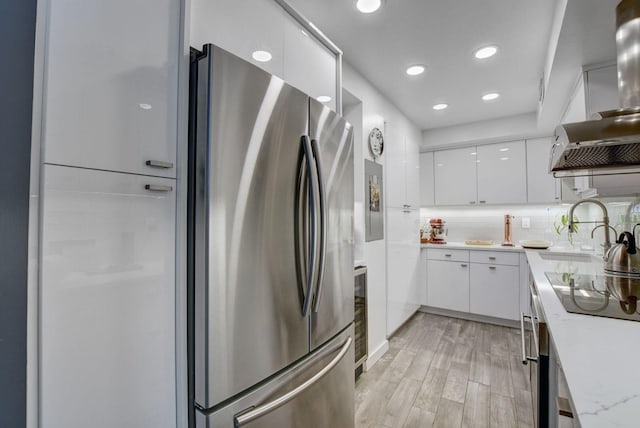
[(376, 142)]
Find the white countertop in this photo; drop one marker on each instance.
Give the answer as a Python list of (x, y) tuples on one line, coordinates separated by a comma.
[(598, 355), (463, 246)]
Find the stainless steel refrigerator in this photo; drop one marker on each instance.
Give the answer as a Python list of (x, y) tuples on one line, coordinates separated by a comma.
[(270, 251)]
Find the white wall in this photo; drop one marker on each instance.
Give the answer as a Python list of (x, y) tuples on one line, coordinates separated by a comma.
[(497, 130), (376, 112)]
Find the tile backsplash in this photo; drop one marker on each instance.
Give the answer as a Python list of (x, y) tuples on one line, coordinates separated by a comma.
[(487, 222)]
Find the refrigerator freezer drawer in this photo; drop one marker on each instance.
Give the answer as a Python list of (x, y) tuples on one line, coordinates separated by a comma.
[(321, 401)]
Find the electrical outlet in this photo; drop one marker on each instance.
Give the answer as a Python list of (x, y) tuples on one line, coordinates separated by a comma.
[(526, 222)]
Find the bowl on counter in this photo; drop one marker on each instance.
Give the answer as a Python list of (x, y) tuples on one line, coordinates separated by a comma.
[(538, 244)]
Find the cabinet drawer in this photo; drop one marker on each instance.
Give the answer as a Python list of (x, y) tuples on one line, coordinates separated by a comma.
[(494, 291), (447, 254), (495, 257)]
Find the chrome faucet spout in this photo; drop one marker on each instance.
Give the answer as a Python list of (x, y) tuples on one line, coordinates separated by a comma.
[(605, 220)]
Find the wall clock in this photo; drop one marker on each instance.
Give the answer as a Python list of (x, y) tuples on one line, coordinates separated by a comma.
[(376, 143)]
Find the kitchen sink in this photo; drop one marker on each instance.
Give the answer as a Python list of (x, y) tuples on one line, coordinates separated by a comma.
[(564, 257)]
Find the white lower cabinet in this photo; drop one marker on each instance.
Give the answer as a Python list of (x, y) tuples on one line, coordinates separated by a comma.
[(448, 285), (494, 290), (478, 282), (107, 300)]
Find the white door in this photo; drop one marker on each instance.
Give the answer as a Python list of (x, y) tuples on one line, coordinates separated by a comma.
[(426, 179), (448, 285), (502, 176), (541, 185), (455, 176), (111, 85), (107, 300), (495, 290)]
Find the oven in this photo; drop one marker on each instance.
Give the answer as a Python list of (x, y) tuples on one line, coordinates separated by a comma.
[(535, 354)]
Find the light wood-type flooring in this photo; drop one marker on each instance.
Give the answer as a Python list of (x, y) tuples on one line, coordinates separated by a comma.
[(447, 372)]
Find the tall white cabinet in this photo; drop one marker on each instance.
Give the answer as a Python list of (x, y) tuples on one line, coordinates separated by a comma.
[(107, 299), (111, 85), (402, 171), (107, 296)]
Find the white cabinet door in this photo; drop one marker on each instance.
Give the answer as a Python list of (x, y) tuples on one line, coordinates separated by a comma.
[(107, 302), (427, 186), (495, 290), (412, 173), (502, 176), (403, 266), (111, 84), (455, 176), (308, 64), (448, 285), (241, 27), (395, 191), (541, 185)]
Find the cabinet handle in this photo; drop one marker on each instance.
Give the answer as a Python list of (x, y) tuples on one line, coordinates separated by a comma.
[(463, 265), (158, 188), (472, 202), (483, 202), (492, 258), (159, 164), (492, 267), (447, 255), (564, 407)]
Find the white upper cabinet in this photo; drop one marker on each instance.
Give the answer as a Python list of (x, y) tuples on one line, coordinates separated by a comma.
[(308, 64), (241, 27), (541, 185), (111, 85), (455, 176), (501, 173), (412, 173), (402, 166), (427, 187)]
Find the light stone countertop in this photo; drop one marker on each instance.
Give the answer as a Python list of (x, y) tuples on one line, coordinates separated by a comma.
[(497, 247), (598, 355)]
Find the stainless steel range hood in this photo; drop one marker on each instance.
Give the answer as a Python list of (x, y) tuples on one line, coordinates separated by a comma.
[(612, 140)]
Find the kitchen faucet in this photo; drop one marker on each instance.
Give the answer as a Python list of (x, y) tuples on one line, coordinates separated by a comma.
[(605, 221)]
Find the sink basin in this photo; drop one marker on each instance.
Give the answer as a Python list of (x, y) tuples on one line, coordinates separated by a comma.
[(577, 257)]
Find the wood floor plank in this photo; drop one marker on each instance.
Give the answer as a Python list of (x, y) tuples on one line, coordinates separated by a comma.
[(420, 365), (480, 370), (419, 418), (476, 406), (400, 403), (499, 341), (443, 354), (519, 373), (429, 395), (501, 376), (503, 414), (455, 387), (524, 408), (449, 414), (398, 366), (374, 405)]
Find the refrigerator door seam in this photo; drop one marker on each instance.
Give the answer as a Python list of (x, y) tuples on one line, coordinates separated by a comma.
[(323, 225)]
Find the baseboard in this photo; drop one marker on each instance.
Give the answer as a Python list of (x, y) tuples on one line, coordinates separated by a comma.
[(375, 355), (470, 317)]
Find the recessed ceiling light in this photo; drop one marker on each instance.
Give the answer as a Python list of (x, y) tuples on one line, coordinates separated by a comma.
[(440, 106), (262, 56), (145, 106), (368, 6), (439, 164), (324, 98), (490, 96), (473, 153), (504, 149), (414, 70), (486, 52), (505, 158)]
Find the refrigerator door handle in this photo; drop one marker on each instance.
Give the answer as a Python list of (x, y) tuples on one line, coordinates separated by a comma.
[(323, 225), (310, 228), (244, 418)]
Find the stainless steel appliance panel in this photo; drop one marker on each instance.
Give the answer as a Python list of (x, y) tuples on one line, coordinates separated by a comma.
[(248, 316), (325, 403), (333, 304)]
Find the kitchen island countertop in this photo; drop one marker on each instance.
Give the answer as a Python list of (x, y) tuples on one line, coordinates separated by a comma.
[(598, 355)]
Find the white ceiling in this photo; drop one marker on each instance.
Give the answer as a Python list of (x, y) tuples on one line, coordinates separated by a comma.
[(442, 34)]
